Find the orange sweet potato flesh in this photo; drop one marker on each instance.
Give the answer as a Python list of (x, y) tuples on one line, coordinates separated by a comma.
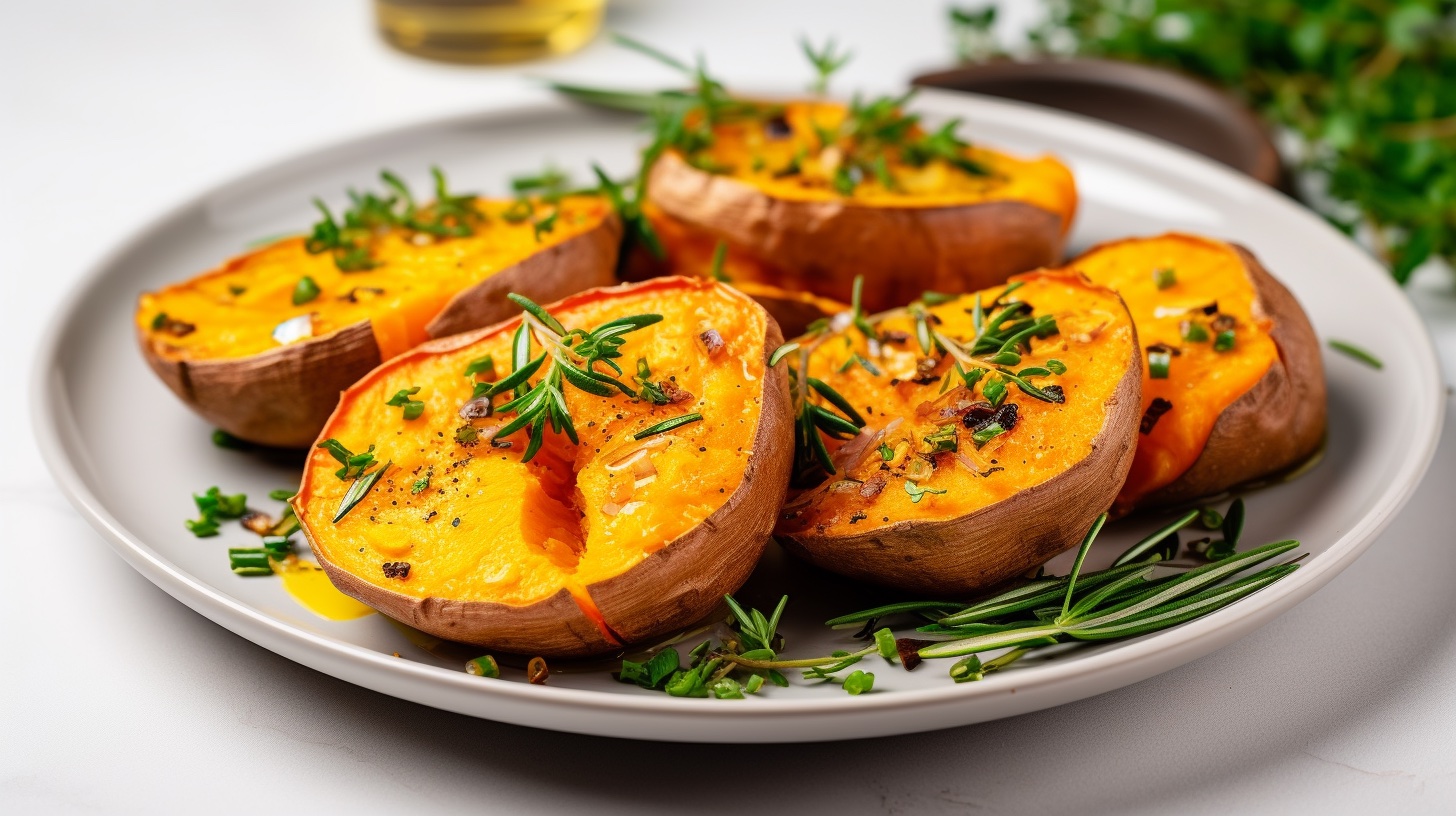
[(935, 227), (1233, 415), (586, 546), (1008, 505), (212, 338)]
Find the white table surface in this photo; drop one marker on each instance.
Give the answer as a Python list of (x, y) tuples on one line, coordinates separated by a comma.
[(116, 698)]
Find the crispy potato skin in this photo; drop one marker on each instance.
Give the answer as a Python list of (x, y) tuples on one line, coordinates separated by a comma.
[(902, 251), (993, 544), (1276, 424), (283, 396), (673, 587)]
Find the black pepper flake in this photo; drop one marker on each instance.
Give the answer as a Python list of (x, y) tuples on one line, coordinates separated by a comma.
[(1055, 392), (777, 128), (857, 517), (1210, 309), (396, 569), (1156, 409), (456, 522)]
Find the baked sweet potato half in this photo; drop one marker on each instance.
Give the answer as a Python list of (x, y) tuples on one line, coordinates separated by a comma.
[(818, 193), (262, 346), (947, 448), (1234, 386), (470, 518)]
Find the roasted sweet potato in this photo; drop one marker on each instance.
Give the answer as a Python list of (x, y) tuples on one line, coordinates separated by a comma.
[(1234, 387), (994, 428), (262, 346), (475, 533), (818, 193)]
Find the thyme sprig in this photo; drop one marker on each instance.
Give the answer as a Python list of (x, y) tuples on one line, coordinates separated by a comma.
[(567, 356), (826, 60)]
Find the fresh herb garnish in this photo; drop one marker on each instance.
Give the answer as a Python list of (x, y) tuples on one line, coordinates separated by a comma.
[(1165, 277), (917, 492), (826, 61), (483, 666), (358, 490), (668, 425), (1355, 352), (350, 242), (354, 464), (481, 365), (1125, 600), (304, 291), (1365, 86), (213, 506), (573, 358), (413, 408), (1224, 340), (282, 495)]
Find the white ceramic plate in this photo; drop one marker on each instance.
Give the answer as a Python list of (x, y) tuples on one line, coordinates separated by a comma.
[(129, 454)]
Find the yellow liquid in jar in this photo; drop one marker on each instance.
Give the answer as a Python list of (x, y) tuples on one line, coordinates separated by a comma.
[(485, 31)]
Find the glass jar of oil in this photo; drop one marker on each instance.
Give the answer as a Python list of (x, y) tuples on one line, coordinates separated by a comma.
[(485, 31)]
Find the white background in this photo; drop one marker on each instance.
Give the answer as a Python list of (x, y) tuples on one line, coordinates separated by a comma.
[(115, 698)]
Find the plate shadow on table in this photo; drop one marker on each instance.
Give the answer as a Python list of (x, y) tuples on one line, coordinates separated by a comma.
[(1302, 680)]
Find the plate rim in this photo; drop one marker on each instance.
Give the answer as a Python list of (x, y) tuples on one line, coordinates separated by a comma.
[(54, 428)]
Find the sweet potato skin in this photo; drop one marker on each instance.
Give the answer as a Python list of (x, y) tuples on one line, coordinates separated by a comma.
[(990, 545), (901, 251), (1276, 424), (1010, 536), (282, 397), (673, 587)]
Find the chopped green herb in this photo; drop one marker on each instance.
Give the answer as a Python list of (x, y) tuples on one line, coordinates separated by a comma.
[(917, 492), (354, 464), (1165, 278), (1224, 341), (282, 495), (484, 666), (1193, 331), (422, 484), (223, 439), (304, 291), (886, 452), (668, 425), (1355, 352), (826, 61), (987, 433), (1056, 367), (358, 490), (1158, 364), (944, 439), (858, 682), (251, 561), (413, 408), (720, 255), (481, 365)]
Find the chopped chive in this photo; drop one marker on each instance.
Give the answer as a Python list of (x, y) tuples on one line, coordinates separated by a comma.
[(282, 495), (481, 365), (966, 670), (755, 682), (858, 682), (223, 439), (483, 666), (943, 440), (412, 408), (249, 561), (1224, 341), (885, 644), (720, 255), (987, 433), (1165, 278), (1355, 352), (1158, 364), (886, 452), (304, 291), (781, 352), (1193, 331), (668, 425)]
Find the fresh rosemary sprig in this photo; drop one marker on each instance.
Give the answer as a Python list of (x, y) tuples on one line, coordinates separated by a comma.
[(567, 356), (452, 215), (1124, 600)]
